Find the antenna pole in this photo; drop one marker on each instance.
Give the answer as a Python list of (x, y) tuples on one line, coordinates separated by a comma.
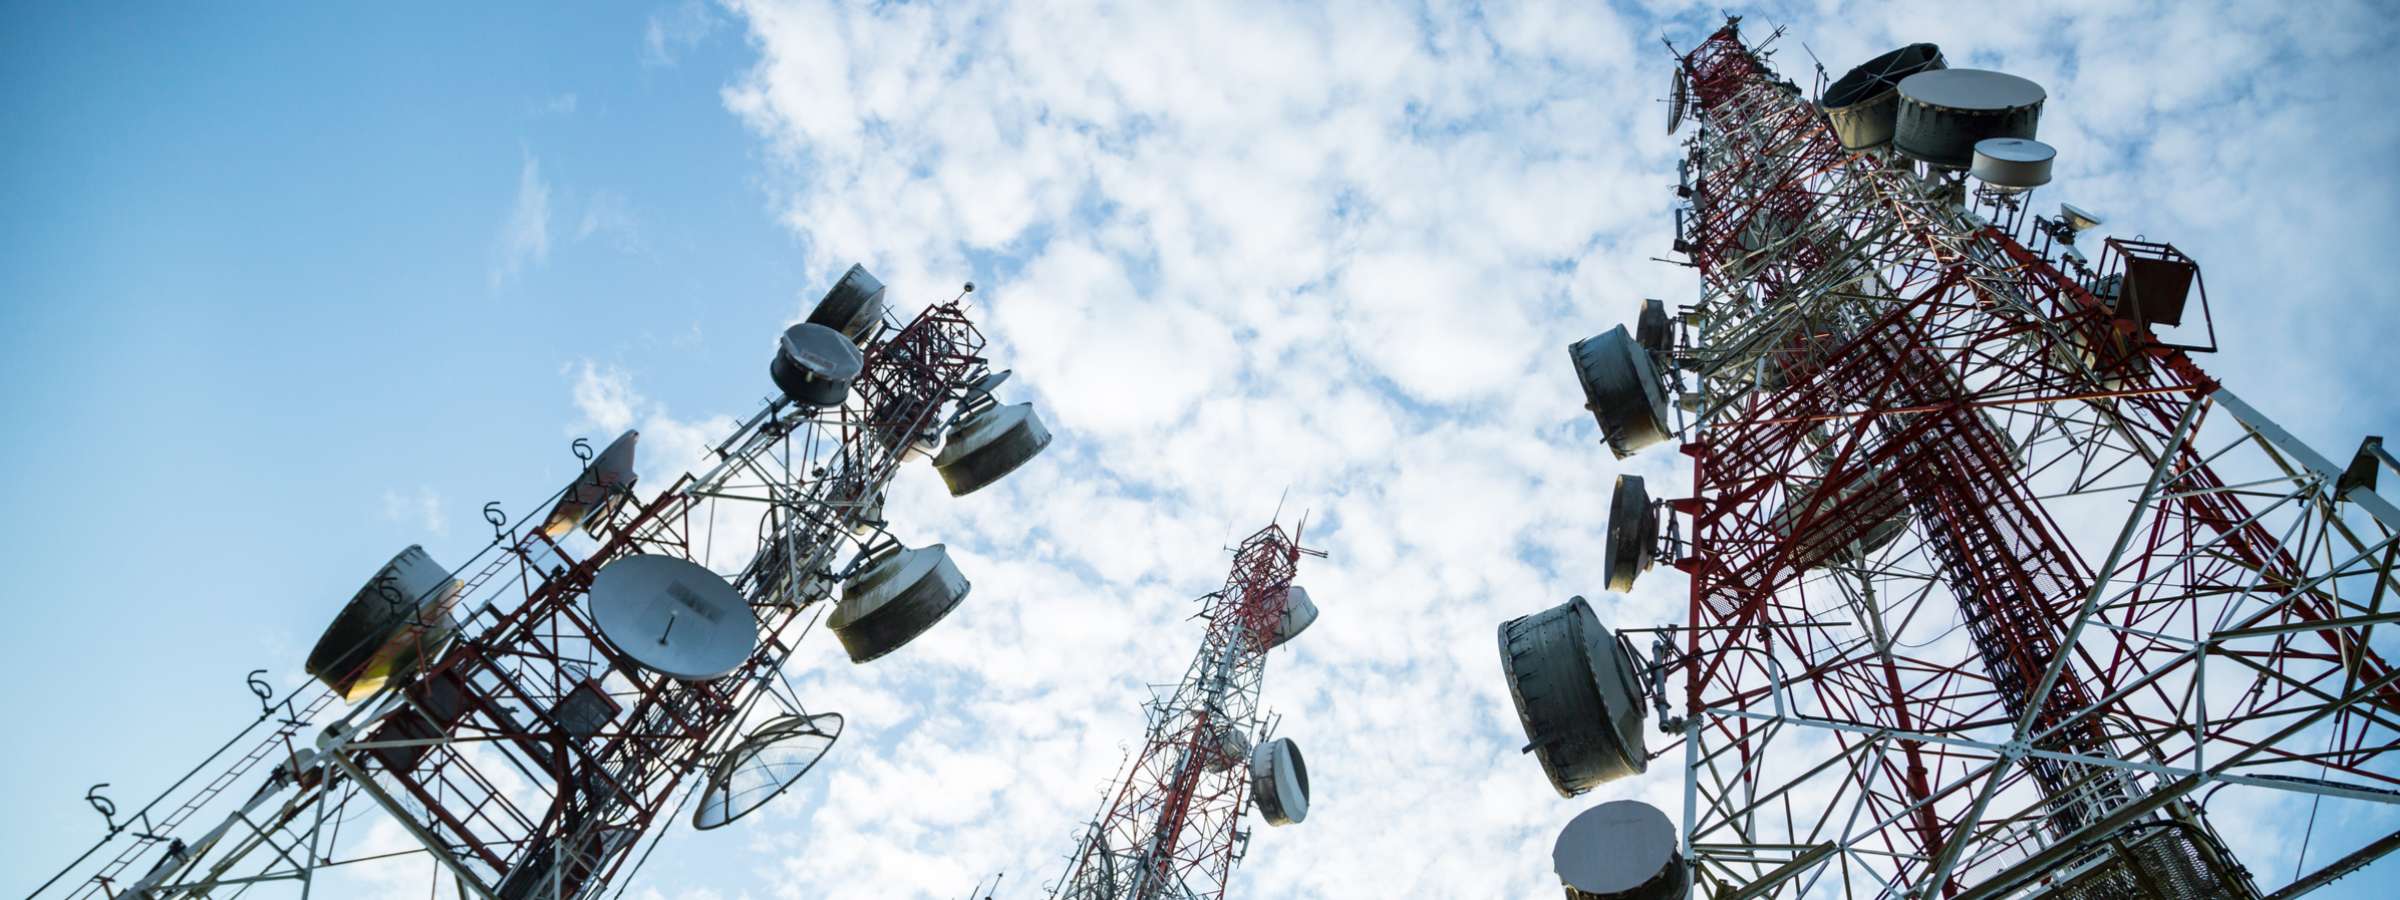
[(1943, 638), (517, 688), (1169, 829)]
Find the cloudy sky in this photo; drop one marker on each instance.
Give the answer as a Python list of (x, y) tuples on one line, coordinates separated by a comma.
[(285, 291)]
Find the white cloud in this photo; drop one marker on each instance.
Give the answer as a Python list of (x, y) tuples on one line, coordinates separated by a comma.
[(670, 33), (1239, 250), (1341, 249), (421, 509), (608, 404), (609, 216), (604, 396), (524, 239)]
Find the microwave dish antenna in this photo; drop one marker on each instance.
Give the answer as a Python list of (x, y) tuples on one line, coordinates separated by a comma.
[(1678, 101), (673, 616), (2079, 218), (814, 365), (596, 493), (767, 762), (853, 307)]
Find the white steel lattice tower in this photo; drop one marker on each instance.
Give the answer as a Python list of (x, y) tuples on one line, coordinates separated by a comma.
[(1169, 828), (530, 717)]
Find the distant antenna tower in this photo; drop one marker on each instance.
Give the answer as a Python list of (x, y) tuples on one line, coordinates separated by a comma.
[(527, 719), (1170, 829), (1984, 602)]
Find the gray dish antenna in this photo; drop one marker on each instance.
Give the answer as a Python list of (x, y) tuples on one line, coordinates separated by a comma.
[(894, 598), (597, 492), (389, 627), (1678, 100), (1651, 330), (989, 442), (814, 365), (673, 616), (1632, 533), (765, 764), (1299, 612), (1279, 782), (1864, 103), (1944, 112), (983, 387), (1620, 850), (2079, 218), (2011, 165), (1576, 695), (1622, 389), (853, 307)]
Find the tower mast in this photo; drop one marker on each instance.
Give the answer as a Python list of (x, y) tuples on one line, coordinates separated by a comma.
[(527, 719), (1170, 826), (1968, 531)]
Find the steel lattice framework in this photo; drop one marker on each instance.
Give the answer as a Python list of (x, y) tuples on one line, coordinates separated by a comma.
[(2119, 591), (1169, 829), (476, 758)]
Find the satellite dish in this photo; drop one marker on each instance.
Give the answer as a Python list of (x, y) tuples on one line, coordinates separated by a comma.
[(1678, 100), (2079, 219), (814, 365), (764, 765), (894, 599), (1650, 329), (1576, 695), (1632, 533), (1621, 388), (673, 616), (1279, 782), (388, 628), (982, 387), (1620, 849), (853, 307), (987, 445), (1863, 104), (2010, 165), (597, 493), (1944, 112), (1298, 614)]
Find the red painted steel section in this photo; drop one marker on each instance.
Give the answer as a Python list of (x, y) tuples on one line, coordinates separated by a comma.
[(1175, 814), (1898, 400)]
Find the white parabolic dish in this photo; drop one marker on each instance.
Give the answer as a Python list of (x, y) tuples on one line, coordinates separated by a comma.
[(673, 616), (1623, 848)]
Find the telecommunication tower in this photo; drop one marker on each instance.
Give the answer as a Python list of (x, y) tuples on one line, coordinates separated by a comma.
[(1169, 827), (1993, 591), (528, 718)]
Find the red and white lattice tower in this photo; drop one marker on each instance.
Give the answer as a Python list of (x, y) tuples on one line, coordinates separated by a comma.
[(522, 738), (1169, 829), (1993, 591)]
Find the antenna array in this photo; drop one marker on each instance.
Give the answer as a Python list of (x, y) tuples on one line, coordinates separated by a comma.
[(528, 719), (1169, 830), (1992, 590)]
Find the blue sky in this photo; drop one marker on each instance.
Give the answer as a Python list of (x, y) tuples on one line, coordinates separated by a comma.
[(259, 289), (287, 289)]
